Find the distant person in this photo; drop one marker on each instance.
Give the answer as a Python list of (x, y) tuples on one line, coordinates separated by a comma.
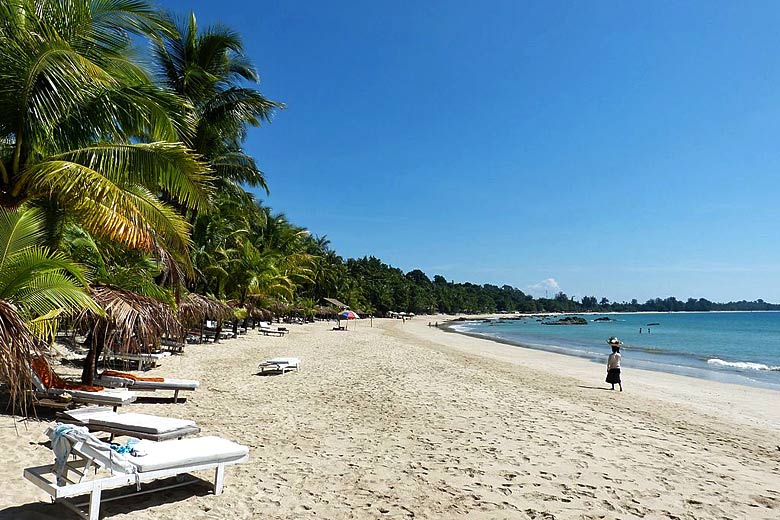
[(640, 330), (613, 367)]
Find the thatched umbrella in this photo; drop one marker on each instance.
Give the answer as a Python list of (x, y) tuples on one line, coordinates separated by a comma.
[(259, 307), (18, 347), (132, 323), (195, 309), (280, 308)]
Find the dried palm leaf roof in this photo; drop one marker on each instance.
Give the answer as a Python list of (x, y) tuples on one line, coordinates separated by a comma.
[(132, 322), (18, 347), (334, 301), (195, 308), (259, 313)]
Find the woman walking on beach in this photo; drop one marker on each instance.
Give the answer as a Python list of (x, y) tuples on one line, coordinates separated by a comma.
[(613, 364)]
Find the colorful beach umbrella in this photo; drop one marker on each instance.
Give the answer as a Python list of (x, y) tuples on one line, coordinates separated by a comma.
[(349, 315)]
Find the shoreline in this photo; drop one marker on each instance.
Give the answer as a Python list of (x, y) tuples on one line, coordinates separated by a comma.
[(746, 404), (734, 377)]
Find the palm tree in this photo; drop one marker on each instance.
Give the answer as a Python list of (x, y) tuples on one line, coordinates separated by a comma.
[(37, 287), (41, 284), (84, 131), (206, 69)]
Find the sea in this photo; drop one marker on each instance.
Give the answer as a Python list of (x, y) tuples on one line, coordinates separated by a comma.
[(732, 347)]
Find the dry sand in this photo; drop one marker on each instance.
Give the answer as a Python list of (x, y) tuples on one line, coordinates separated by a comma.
[(405, 421)]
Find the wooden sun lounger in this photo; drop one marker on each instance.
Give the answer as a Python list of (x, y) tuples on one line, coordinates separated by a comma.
[(177, 385), (282, 364), (141, 426), (173, 346), (113, 397), (267, 329), (172, 458), (145, 361)]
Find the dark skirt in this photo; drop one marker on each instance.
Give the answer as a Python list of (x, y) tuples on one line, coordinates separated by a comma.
[(613, 376)]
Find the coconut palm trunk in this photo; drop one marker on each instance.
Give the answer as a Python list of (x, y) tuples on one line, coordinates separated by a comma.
[(97, 344)]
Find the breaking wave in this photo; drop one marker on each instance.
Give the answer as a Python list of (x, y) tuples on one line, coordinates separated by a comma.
[(743, 365)]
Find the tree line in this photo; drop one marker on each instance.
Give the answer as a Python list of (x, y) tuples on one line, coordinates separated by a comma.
[(370, 285)]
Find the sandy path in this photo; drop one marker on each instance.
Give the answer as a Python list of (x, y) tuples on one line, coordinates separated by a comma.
[(398, 422)]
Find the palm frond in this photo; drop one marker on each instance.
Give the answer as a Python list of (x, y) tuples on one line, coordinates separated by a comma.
[(168, 167), (18, 347)]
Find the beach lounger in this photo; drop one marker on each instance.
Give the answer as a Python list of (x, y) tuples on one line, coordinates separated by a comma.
[(280, 364), (173, 346), (114, 379), (142, 426), (211, 330), (267, 329), (145, 361), (97, 467), (48, 384)]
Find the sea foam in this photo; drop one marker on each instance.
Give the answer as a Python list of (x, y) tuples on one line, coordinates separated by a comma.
[(742, 364)]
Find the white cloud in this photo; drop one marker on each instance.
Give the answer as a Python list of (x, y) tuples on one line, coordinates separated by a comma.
[(548, 287)]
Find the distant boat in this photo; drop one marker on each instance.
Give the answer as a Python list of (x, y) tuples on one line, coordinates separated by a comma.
[(653, 324)]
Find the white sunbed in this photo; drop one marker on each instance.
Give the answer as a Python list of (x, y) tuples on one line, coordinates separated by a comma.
[(66, 479), (267, 329), (280, 364), (143, 426), (176, 385), (108, 396)]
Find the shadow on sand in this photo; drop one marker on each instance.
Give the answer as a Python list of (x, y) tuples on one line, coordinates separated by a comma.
[(270, 373), (147, 399), (44, 511), (593, 387)]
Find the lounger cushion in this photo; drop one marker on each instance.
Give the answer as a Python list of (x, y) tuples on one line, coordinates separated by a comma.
[(113, 381), (108, 395), (168, 384), (141, 422), (292, 361), (88, 412), (186, 452)]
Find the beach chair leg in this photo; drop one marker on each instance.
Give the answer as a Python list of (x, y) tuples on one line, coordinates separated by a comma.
[(176, 396), (219, 476), (94, 504)]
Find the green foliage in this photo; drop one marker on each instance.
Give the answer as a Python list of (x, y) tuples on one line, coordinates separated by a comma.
[(83, 123), (40, 283)]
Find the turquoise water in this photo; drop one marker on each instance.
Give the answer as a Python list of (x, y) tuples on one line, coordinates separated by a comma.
[(735, 347)]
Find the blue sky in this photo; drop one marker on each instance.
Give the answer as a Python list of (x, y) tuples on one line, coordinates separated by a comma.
[(619, 149)]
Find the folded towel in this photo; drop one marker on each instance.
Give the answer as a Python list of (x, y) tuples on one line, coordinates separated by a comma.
[(51, 380), (125, 375)]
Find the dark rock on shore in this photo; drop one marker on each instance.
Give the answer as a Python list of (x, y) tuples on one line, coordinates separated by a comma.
[(605, 318), (567, 320)]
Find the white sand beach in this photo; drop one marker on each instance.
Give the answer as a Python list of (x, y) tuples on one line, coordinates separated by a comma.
[(404, 421)]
